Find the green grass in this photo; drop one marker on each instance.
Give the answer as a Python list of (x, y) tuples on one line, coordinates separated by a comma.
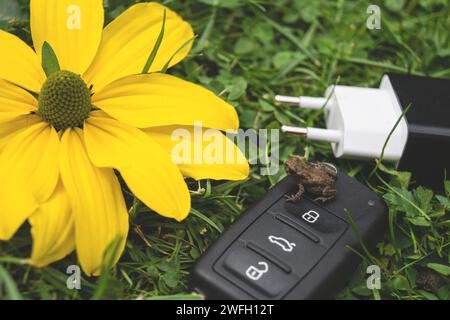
[(246, 51)]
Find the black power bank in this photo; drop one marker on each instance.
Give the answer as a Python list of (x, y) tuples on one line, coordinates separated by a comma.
[(427, 150)]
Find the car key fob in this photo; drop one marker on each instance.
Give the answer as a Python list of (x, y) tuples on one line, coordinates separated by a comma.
[(284, 250)]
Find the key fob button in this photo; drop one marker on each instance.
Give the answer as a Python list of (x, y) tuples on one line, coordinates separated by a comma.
[(312, 216), (298, 248), (256, 271)]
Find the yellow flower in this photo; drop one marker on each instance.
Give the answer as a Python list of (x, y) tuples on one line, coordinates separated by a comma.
[(61, 137)]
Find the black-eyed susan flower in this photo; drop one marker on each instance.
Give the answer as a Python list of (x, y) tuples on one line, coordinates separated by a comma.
[(63, 135)]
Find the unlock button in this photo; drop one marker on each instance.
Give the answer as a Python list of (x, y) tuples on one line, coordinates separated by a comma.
[(256, 272)]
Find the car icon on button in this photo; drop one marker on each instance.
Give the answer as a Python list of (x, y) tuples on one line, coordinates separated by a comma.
[(282, 243)]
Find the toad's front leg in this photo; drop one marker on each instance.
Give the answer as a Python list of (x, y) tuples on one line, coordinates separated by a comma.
[(296, 197)]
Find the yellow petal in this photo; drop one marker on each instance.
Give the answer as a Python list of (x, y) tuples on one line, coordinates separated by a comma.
[(97, 202), (73, 28), (128, 41), (19, 64), (52, 228), (28, 173), (145, 166), (15, 206), (14, 101), (216, 158), (12, 127), (153, 100), (31, 157)]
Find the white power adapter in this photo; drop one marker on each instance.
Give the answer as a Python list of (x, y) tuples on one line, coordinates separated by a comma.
[(361, 120)]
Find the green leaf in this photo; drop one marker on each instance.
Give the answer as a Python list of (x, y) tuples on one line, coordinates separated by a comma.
[(444, 201), (444, 293), (419, 221), (50, 62), (399, 282), (166, 266), (152, 271), (171, 279), (428, 295), (245, 46), (281, 59), (237, 88), (402, 200), (424, 197), (195, 253), (309, 10), (263, 32), (362, 290), (154, 52), (247, 117), (395, 5), (399, 178), (266, 106), (440, 268), (281, 117), (389, 250)]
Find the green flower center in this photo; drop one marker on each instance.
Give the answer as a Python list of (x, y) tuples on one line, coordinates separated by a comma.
[(64, 100)]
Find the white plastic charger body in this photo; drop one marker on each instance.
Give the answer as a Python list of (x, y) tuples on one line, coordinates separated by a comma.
[(365, 117)]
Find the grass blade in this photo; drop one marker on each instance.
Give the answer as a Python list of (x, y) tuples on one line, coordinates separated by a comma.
[(166, 66), (154, 52), (201, 216), (10, 285), (387, 140), (110, 256), (360, 239)]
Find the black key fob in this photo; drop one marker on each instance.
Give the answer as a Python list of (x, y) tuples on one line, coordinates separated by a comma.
[(283, 250)]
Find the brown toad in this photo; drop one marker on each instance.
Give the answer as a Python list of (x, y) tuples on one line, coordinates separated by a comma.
[(316, 178)]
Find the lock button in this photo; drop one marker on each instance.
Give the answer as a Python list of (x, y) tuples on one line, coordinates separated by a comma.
[(254, 271), (313, 217)]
